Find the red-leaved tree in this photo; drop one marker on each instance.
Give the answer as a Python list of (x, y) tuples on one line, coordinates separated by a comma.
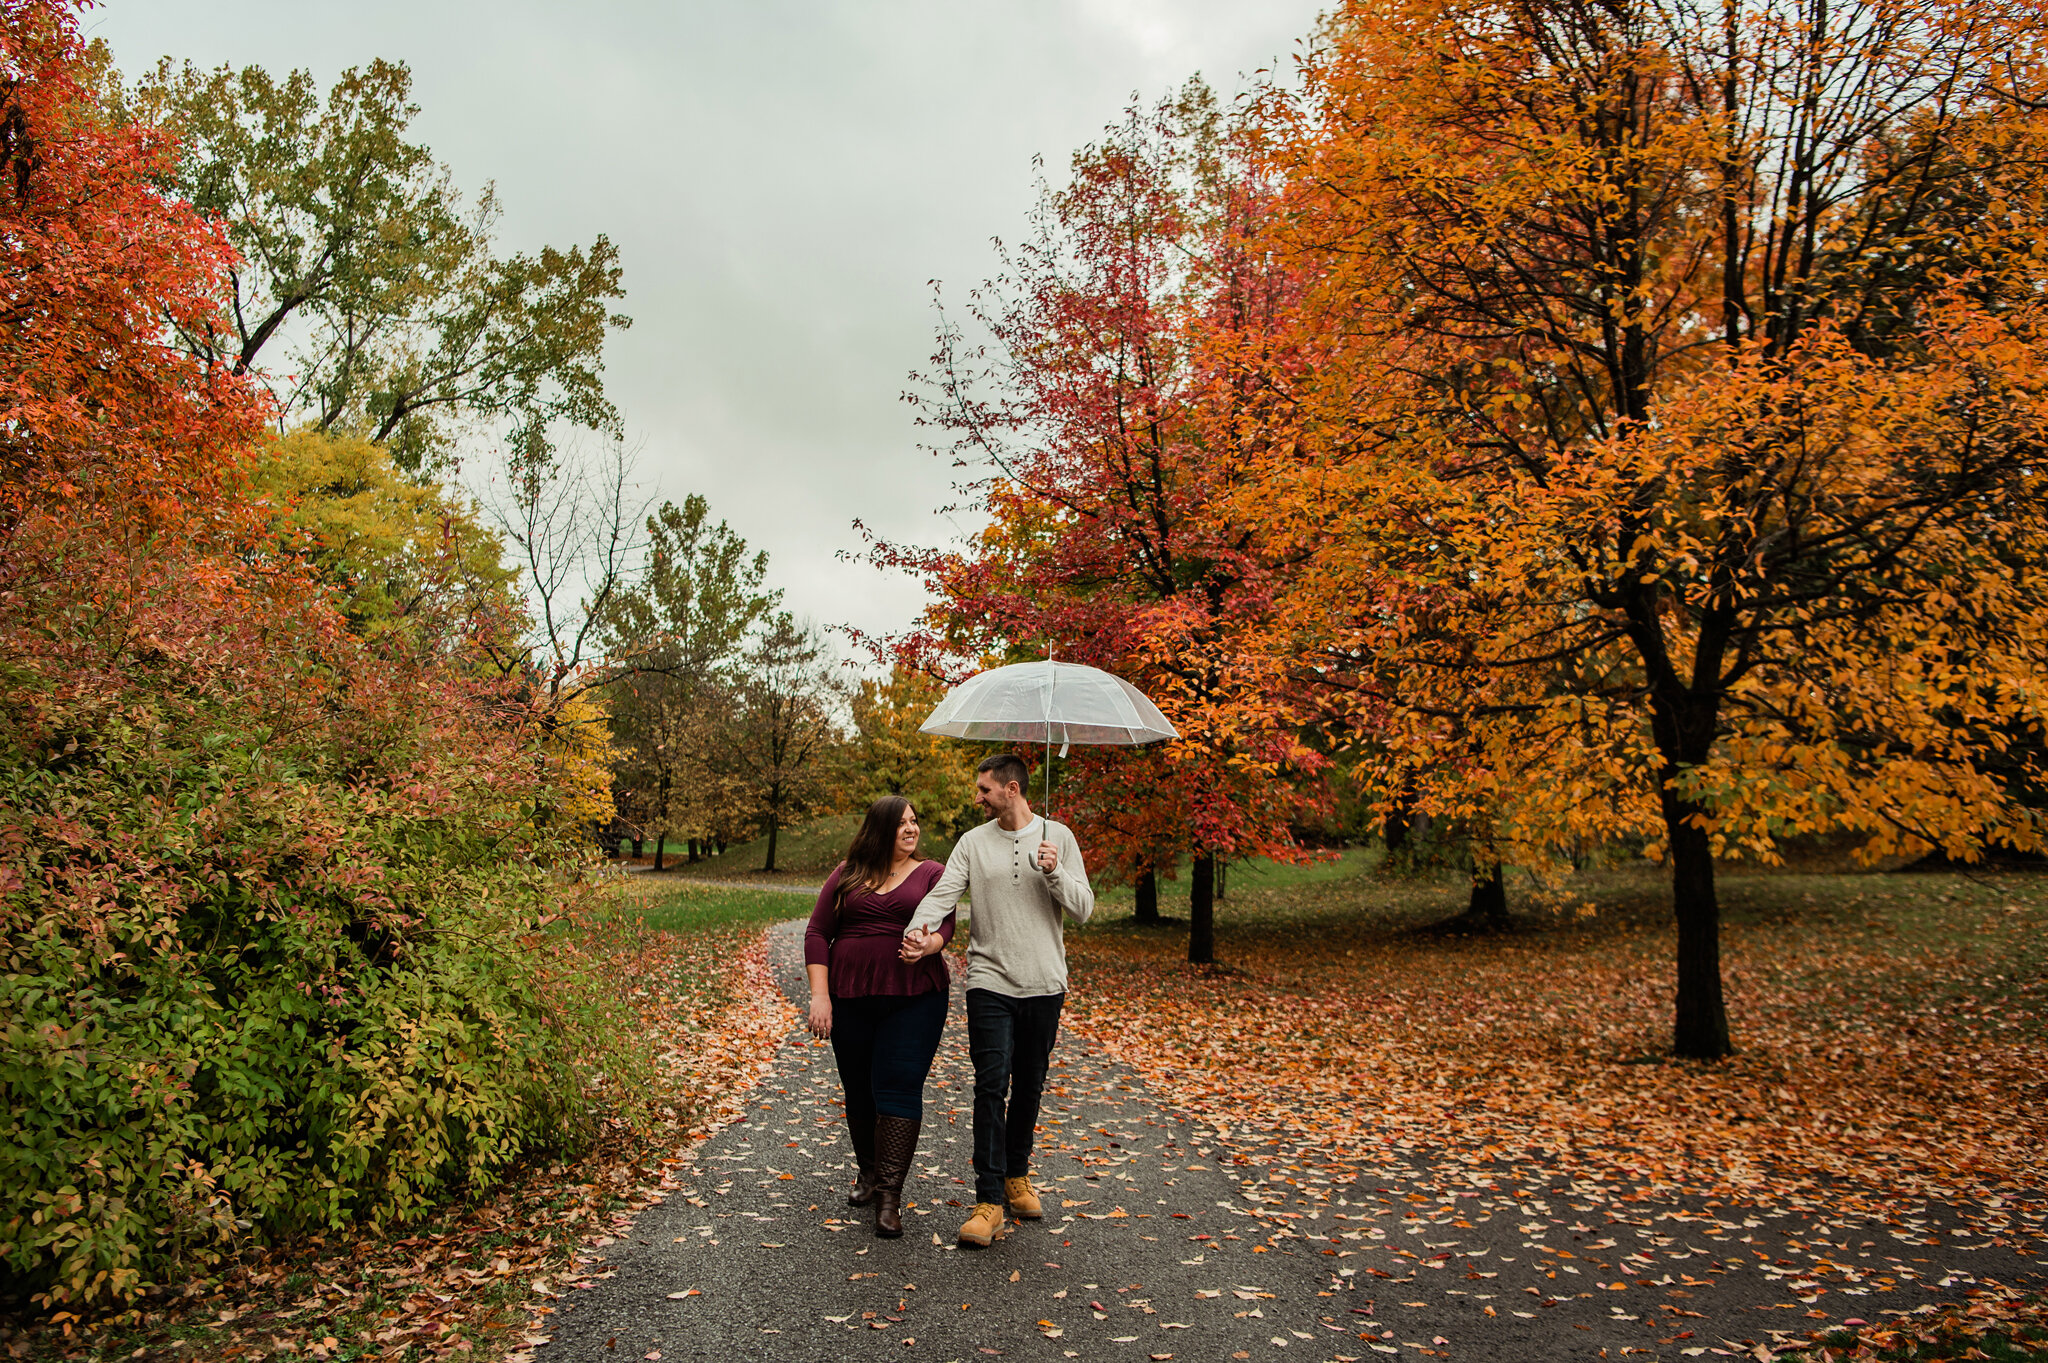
[(1105, 412)]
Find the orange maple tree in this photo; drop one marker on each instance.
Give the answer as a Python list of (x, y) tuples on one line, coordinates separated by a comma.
[(111, 434), (1674, 471)]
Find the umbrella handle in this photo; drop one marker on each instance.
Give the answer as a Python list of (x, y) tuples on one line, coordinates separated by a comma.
[(1052, 682)]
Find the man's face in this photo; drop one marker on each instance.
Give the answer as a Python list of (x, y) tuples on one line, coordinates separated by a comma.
[(997, 797)]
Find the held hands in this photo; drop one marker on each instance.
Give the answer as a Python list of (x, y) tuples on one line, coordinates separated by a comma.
[(821, 1016), (919, 944)]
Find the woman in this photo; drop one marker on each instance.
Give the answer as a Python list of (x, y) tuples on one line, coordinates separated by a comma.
[(883, 1015)]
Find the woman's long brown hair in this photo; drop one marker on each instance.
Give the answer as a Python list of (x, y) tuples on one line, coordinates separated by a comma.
[(873, 849)]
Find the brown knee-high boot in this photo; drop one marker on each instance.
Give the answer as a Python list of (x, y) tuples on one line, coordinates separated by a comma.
[(895, 1147), (862, 1133)]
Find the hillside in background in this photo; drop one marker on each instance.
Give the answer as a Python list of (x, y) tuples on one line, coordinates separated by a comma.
[(804, 854)]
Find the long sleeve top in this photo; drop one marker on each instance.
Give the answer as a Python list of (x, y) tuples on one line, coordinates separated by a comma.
[(857, 941), (1017, 945)]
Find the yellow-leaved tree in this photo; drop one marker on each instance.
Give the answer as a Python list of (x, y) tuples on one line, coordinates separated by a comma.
[(1675, 465), (407, 557), (886, 754), (580, 756)]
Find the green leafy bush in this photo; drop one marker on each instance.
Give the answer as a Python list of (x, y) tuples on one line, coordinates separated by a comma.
[(268, 887), (260, 971)]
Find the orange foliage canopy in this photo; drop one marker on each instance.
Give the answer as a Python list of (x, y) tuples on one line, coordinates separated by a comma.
[(1674, 470), (110, 436)]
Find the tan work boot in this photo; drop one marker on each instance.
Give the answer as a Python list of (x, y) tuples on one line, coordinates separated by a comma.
[(984, 1226), (1024, 1204)]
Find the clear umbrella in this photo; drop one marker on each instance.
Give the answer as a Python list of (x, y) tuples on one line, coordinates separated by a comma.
[(1049, 701)]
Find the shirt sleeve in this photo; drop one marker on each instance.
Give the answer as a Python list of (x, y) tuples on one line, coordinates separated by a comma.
[(940, 901), (1069, 880), (946, 924), (824, 922)]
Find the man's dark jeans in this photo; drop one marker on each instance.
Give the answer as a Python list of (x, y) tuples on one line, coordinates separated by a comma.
[(1011, 1043)]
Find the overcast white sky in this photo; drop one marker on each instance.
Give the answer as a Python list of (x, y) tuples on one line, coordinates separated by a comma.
[(783, 178)]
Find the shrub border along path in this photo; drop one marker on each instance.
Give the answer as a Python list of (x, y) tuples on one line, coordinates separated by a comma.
[(473, 1282)]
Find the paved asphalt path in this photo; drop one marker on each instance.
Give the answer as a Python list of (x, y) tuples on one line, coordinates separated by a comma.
[(1160, 1244)]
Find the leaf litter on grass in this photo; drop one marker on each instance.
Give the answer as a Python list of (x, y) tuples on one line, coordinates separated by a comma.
[(1890, 1072)]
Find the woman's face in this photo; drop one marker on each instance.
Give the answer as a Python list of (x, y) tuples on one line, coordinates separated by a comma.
[(907, 833)]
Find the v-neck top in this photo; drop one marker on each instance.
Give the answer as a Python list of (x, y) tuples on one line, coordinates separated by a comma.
[(857, 940)]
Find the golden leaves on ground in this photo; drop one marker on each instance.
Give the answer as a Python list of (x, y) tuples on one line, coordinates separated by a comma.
[(1884, 1062)]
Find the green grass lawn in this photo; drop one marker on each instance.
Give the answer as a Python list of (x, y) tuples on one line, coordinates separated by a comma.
[(809, 849), (804, 854), (1987, 918), (1983, 924), (679, 906)]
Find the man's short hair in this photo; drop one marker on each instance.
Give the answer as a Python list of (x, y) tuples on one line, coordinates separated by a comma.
[(1007, 768)]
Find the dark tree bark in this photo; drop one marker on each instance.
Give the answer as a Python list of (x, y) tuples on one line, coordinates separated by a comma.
[(1683, 725), (660, 841), (1202, 911), (638, 843), (1700, 1028), (1489, 903), (1222, 877), (1148, 898), (1395, 830), (774, 828), (695, 854)]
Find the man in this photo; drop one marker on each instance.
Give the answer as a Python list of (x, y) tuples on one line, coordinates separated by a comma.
[(1022, 872)]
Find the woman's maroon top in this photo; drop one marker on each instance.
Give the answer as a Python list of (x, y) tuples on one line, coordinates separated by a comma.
[(857, 940)]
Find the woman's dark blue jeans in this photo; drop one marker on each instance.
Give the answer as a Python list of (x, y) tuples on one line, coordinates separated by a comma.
[(1011, 1041), (884, 1044)]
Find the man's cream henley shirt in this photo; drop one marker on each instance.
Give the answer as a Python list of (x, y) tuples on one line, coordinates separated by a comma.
[(1016, 944)]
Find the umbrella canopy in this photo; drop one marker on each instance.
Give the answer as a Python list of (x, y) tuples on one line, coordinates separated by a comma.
[(1049, 702)]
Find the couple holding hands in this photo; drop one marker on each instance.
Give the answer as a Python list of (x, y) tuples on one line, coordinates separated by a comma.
[(879, 987)]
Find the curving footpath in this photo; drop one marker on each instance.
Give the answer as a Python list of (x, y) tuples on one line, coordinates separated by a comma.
[(1158, 1244)]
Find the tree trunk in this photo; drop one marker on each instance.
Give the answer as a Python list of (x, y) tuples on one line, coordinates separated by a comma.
[(659, 840), (1700, 1029), (1202, 911), (1222, 877), (1489, 904), (638, 843), (1148, 898), (774, 827), (1684, 729), (694, 856), (1396, 827)]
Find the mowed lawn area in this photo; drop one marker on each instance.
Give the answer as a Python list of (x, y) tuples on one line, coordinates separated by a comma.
[(804, 855)]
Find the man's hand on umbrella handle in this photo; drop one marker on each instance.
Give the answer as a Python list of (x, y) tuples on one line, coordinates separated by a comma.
[(1048, 858)]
